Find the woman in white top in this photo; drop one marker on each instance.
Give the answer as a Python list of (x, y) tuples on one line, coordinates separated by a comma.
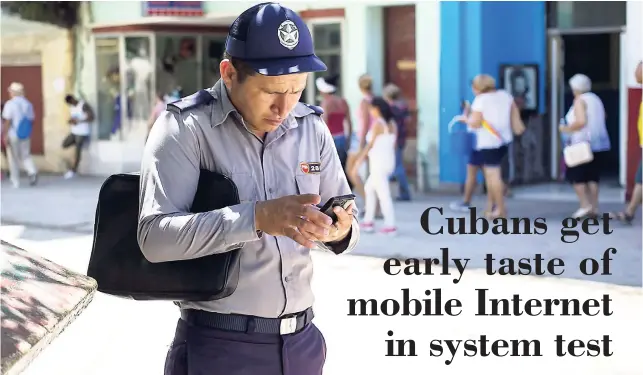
[(380, 149), (585, 122), (80, 122), (495, 118)]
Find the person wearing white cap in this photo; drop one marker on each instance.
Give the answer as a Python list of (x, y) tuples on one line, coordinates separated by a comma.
[(17, 120), (336, 115)]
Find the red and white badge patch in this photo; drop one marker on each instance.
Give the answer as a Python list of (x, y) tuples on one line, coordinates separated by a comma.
[(310, 168)]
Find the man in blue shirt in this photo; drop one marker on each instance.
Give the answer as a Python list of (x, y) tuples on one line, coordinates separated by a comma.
[(251, 127)]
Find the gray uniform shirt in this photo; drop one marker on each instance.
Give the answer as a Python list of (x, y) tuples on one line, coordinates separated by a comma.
[(275, 272)]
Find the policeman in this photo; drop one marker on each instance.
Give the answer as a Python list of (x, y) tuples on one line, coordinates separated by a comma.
[(251, 127)]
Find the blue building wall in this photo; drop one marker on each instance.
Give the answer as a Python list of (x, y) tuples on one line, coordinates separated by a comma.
[(478, 37)]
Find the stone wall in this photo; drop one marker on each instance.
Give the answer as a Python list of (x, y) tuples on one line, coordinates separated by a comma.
[(52, 49)]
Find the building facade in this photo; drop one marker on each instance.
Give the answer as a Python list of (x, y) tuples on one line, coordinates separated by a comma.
[(430, 49), (40, 56)]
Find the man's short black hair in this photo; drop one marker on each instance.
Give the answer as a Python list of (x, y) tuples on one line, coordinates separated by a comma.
[(243, 70), (69, 99)]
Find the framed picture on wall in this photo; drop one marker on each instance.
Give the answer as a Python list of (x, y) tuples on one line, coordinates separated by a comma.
[(521, 81)]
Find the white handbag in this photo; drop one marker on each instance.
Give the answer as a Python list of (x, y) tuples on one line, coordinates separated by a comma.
[(578, 154)]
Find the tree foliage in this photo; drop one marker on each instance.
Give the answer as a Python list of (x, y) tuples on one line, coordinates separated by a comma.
[(59, 13)]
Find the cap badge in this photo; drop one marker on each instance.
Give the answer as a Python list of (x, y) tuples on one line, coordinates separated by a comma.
[(288, 34)]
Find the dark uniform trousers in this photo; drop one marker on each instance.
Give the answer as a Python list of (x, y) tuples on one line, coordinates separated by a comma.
[(202, 350)]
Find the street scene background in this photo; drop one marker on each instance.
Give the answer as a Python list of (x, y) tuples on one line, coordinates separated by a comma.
[(124, 58), (119, 336)]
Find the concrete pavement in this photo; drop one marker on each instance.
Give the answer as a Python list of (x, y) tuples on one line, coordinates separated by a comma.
[(70, 205), (126, 337), (117, 336)]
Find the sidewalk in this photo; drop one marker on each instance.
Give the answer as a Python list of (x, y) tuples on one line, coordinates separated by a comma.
[(117, 336), (70, 205)]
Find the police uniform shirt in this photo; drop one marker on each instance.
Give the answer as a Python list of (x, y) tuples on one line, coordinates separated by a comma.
[(299, 157)]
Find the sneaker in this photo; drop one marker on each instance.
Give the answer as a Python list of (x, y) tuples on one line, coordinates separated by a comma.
[(388, 231), (68, 175), (367, 227), (460, 206), (33, 179)]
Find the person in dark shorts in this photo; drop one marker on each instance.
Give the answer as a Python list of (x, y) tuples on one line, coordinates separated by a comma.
[(585, 122), (81, 122), (495, 118)]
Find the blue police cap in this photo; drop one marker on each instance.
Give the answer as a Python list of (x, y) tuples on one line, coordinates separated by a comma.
[(273, 40)]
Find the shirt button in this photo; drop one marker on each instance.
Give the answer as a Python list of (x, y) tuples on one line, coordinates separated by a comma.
[(271, 190), (288, 279)]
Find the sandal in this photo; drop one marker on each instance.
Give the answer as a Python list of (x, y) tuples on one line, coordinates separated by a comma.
[(622, 217)]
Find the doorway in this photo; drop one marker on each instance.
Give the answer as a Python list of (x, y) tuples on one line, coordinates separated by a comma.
[(399, 69), (31, 77), (570, 53)]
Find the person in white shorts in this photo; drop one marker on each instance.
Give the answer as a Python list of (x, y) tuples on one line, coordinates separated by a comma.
[(380, 149)]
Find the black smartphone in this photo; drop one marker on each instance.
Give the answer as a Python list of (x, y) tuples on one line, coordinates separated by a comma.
[(342, 201)]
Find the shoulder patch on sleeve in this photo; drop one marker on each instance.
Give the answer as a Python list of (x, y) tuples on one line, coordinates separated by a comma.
[(317, 109), (198, 99)]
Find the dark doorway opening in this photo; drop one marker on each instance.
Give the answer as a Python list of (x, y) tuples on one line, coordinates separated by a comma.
[(598, 57)]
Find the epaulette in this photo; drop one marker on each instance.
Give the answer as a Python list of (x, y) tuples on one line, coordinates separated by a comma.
[(317, 109), (200, 98)]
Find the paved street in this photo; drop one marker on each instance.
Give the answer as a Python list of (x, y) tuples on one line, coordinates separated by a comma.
[(120, 336), (69, 205)]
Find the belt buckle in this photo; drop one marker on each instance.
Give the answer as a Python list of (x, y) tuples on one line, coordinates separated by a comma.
[(288, 325)]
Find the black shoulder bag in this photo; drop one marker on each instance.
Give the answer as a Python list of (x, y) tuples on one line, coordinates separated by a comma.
[(119, 267)]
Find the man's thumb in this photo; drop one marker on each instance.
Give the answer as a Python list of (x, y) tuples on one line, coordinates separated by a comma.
[(308, 199)]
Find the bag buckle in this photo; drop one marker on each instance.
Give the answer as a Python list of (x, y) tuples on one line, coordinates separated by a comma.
[(288, 325)]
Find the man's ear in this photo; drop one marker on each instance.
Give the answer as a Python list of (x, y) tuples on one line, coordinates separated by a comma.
[(228, 72)]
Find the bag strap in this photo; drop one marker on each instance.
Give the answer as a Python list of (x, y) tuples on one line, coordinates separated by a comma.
[(488, 127)]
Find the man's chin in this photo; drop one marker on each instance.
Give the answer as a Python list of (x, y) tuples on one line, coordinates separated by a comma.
[(269, 126)]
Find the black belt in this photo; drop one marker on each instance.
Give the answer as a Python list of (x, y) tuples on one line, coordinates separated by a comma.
[(285, 325)]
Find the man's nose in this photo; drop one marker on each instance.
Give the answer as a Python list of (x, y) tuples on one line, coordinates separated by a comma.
[(281, 105)]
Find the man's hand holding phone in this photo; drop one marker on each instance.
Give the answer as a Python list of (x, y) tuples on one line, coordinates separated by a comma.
[(297, 217), (342, 227), (293, 216)]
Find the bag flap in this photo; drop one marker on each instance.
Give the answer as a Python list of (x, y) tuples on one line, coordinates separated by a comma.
[(118, 265)]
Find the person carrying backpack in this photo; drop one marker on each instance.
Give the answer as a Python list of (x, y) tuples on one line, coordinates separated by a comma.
[(17, 122)]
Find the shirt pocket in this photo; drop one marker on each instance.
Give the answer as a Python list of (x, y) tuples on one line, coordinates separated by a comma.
[(246, 186), (307, 184)]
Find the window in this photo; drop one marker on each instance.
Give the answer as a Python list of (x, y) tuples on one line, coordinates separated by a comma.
[(108, 84), (139, 72), (327, 37), (585, 14), (213, 48), (179, 64)]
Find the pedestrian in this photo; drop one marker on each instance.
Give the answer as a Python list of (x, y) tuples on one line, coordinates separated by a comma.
[(251, 127), (495, 117), (358, 141), (585, 122), (380, 149), (17, 120), (3, 145), (626, 216), (402, 116), (336, 115), (81, 119)]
